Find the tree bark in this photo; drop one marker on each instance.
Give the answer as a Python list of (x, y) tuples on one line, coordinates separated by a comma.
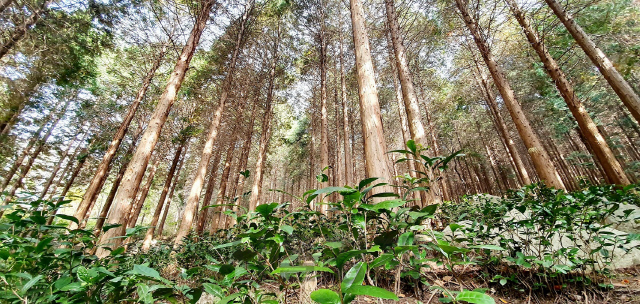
[(55, 170), (133, 217), (148, 238), (103, 169), (376, 162), (324, 120), (587, 126), (622, 88), (216, 224), (198, 182), (542, 163), (170, 197), (135, 172), (208, 194), (81, 161), (348, 159)]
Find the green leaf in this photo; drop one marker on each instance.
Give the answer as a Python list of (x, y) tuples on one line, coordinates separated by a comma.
[(406, 239), (43, 244), (231, 244), (475, 297), (266, 209), (411, 144), (298, 269), (213, 290), (68, 217), (372, 291), (226, 269), (388, 205), (346, 256), (381, 260), (322, 177), (365, 182), (355, 276), (334, 244), (286, 228), (430, 210), (490, 247), (30, 283), (226, 300), (325, 296), (145, 271)]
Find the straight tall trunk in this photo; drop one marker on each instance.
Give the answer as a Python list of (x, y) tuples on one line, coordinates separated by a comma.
[(55, 170), (135, 171), (324, 120), (146, 244), (256, 189), (103, 169), (133, 217), (376, 162), (170, 197), (40, 144), (588, 127), (217, 220), (81, 161), (21, 30), (112, 193), (208, 193), (541, 160), (194, 195), (622, 88), (34, 139), (348, 159)]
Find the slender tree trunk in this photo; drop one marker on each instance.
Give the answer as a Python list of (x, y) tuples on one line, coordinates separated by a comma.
[(146, 244), (216, 222), (34, 139), (348, 157), (622, 88), (135, 172), (6, 126), (244, 157), (376, 162), (133, 217), (542, 163), (501, 125), (67, 186), (112, 193), (40, 144), (324, 120), (170, 197), (21, 30), (587, 126), (198, 182), (102, 172), (55, 170), (208, 194), (256, 189)]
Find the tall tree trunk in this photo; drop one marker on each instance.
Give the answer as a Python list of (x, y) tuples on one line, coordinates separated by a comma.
[(542, 163), (148, 238), (55, 170), (588, 128), (103, 169), (135, 172), (208, 193), (81, 161), (133, 216), (348, 159), (376, 162), (40, 144), (256, 189), (622, 88), (501, 125), (198, 182), (112, 193), (217, 220), (324, 120), (34, 139), (6, 126), (170, 197), (21, 30)]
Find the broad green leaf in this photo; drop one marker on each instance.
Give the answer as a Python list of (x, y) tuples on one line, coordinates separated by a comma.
[(145, 271), (334, 244), (355, 276), (365, 182), (43, 244), (226, 300), (298, 269), (411, 144), (68, 217), (475, 297), (406, 239), (372, 291), (381, 260), (490, 247), (286, 228), (213, 290), (388, 205), (325, 296), (30, 283)]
